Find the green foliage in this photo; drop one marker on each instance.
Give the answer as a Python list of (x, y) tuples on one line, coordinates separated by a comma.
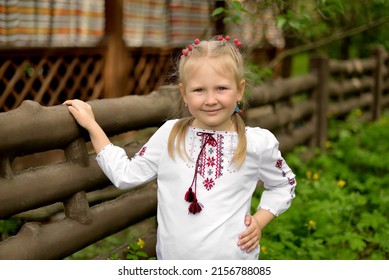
[(8, 228), (307, 22), (232, 13), (341, 210), (133, 252)]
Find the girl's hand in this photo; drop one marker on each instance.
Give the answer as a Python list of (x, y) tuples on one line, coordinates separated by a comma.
[(249, 239), (82, 112)]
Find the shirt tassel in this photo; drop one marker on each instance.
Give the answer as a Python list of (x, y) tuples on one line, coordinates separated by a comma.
[(190, 196), (195, 207)]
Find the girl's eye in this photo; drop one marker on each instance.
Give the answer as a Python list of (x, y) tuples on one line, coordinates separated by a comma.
[(198, 90), (221, 88)]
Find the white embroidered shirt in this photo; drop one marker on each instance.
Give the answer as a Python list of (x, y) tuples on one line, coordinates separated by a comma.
[(223, 191)]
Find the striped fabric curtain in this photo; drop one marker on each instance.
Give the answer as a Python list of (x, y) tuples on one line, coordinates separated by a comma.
[(190, 20), (145, 23), (51, 22), (158, 23)]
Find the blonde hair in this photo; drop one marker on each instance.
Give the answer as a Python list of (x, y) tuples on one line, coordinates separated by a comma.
[(231, 59)]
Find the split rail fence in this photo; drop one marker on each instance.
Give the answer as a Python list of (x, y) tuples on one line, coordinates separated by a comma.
[(295, 109)]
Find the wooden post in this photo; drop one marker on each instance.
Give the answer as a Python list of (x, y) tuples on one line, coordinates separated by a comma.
[(319, 65), (77, 207), (116, 60), (379, 55), (219, 26)]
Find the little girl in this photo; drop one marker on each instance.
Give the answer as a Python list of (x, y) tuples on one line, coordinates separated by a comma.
[(207, 166)]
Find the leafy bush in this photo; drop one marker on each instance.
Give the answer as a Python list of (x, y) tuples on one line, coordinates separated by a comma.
[(341, 209)]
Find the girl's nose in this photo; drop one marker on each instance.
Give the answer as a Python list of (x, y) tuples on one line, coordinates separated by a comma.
[(211, 98)]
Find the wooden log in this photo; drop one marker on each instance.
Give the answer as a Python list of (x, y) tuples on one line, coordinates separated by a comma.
[(352, 66), (351, 86), (37, 187), (280, 88), (32, 128), (60, 239), (272, 121), (300, 136), (341, 109)]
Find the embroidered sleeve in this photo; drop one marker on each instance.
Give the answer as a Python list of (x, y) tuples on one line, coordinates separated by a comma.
[(126, 173), (279, 180)]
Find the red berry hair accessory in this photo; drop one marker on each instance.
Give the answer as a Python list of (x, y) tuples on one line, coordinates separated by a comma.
[(186, 51), (237, 42), (228, 38)]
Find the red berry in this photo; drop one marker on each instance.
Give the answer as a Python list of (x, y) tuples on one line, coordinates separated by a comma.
[(228, 38), (197, 41)]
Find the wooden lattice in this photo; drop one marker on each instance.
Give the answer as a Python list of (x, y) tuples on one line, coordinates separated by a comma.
[(149, 68), (50, 76)]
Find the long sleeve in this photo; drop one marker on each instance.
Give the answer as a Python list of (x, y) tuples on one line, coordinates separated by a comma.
[(126, 173), (279, 180)]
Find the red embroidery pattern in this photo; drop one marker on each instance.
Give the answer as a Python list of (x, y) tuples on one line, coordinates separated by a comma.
[(142, 151), (208, 183), (279, 165), (292, 181), (219, 154), (210, 160)]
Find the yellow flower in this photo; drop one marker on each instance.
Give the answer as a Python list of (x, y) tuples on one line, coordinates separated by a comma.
[(309, 174), (311, 224), (263, 249), (315, 176), (358, 112), (341, 183), (141, 243)]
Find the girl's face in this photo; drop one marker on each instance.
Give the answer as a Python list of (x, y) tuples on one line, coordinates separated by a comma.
[(211, 94)]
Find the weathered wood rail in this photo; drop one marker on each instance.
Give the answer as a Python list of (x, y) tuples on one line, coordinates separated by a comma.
[(295, 109)]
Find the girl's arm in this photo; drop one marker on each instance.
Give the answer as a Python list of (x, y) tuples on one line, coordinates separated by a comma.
[(83, 114)]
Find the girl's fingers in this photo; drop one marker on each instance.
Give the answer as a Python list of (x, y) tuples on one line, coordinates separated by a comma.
[(255, 245)]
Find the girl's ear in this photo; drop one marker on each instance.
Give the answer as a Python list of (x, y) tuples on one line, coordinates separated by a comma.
[(241, 88), (182, 90)]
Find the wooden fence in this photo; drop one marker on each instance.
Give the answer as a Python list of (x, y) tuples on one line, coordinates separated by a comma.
[(295, 109)]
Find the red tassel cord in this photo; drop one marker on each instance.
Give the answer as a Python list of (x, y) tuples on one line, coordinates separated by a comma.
[(190, 195)]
